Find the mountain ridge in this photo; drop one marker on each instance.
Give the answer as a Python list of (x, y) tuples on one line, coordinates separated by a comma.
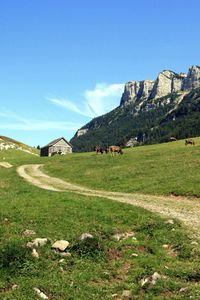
[(143, 107)]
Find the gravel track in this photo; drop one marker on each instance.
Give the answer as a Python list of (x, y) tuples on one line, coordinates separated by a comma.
[(185, 209)]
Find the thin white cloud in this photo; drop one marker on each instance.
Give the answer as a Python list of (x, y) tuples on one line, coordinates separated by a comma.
[(102, 99), (15, 122), (69, 105)]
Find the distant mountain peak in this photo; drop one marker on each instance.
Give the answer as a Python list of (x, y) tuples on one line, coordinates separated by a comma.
[(167, 82), (150, 111)]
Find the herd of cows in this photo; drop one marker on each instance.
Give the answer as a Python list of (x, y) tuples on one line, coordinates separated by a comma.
[(118, 149), (111, 149)]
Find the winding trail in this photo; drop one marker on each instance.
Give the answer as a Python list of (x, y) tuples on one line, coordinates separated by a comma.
[(185, 209)]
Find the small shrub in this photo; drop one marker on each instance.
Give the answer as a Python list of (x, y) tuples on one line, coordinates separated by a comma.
[(14, 256), (90, 248)]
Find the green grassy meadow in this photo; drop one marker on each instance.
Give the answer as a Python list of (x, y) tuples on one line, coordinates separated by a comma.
[(102, 268), (164, 169)]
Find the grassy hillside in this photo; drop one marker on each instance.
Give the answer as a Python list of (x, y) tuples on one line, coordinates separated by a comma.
[(168, 168), (7, 141), (103, 267)]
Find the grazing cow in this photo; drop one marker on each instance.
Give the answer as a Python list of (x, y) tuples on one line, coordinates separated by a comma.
[(115, 149), (98, 149), (189, 142), (101, 150)]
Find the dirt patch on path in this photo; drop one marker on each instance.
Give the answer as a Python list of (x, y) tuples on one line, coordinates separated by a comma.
[(184, 209)]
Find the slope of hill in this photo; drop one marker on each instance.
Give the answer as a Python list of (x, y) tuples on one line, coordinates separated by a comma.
[(7, 143), (149, 112)]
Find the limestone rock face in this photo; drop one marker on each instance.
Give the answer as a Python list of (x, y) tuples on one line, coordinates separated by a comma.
[(192, 81), (135, 90), (147, 86), (131, 90), (167, 82), (163, 84)]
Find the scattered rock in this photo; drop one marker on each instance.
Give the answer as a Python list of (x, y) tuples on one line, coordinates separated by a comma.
[(64, 254), (15, 286), (61, 260), (114, 295), (9, 288), (6, 220), (124, 236), (166, 267), (144, 280), (38, 242), (165, 246), (35, 253), (151, 279), (194, 243), (134, 254), (183, 290), (85, 236), (126, 294), (60, 245), (170, 221), (29, 232), (40, 293), (155, 277)]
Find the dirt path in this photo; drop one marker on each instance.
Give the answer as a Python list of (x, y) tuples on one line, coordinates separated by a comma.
[(184, 209)]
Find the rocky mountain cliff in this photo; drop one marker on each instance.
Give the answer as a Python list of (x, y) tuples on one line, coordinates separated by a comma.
[(143, 108), (167, 82)]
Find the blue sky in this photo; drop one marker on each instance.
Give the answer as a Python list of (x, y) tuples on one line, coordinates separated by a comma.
[(63, 62)]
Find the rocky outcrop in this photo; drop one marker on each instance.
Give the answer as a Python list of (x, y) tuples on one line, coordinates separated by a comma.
[(81, 132), (167, 82), (192, 81), (135, 90)]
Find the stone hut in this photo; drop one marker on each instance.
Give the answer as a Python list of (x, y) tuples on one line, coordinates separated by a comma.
[(58, 146)]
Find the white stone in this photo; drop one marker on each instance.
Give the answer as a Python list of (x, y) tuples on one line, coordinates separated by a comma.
[(124, 236), (134, 254), (170, 221), (126, 293), (40, 293), (143, 281), (85, 236), (155, 277), (64, 254), (38, 242), (194, 243), (15, 286), (29, 232), (35, 253), (60, 245)]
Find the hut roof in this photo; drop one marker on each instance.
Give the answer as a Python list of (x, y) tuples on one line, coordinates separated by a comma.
[(55, 141)]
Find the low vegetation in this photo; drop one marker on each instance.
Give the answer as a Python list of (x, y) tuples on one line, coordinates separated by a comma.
[(156, 260)]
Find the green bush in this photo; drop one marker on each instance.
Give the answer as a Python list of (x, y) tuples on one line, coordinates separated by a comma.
[(14, 256)]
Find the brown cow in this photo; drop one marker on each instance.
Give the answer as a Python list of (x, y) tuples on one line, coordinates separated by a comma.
[(189, 142), (115, 149), (98, 149)]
